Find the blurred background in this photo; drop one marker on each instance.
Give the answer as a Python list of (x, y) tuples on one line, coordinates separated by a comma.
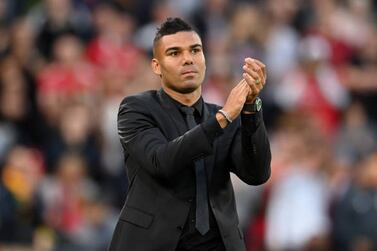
[(65, 65)]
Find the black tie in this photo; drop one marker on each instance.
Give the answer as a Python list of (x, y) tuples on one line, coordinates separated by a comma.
[(202, 217)]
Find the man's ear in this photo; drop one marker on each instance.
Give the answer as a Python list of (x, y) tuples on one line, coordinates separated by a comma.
[(156, 66)]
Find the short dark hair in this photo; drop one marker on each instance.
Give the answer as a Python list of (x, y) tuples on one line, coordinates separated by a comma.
[(171, 26)]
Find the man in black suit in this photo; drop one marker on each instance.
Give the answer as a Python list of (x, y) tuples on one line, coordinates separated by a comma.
[(179, 152)]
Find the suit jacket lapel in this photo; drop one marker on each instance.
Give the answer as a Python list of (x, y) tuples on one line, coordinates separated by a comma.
[(180, 125), (172, 112)]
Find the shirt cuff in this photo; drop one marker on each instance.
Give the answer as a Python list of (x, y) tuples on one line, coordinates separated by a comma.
[(212, 129)]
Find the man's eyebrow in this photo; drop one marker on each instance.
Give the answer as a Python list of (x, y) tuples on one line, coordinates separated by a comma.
[(196, 45), (176, 48)]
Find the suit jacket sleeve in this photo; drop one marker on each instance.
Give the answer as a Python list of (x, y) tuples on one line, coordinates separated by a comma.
[(251, 155), (144, 141)]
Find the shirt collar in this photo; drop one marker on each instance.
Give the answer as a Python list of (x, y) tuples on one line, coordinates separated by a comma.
[(198, 104)]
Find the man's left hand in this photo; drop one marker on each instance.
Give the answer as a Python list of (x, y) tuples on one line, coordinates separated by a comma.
[(255, 76)]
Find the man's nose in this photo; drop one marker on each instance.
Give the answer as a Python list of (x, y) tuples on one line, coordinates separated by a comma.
[(187, 58)]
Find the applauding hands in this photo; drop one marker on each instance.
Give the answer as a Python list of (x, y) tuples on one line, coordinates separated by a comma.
[(246, 91)]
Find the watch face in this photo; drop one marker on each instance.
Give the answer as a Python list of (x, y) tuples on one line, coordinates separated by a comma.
[(258, 104)]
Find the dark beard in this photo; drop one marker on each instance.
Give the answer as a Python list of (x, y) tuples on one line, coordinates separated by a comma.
[(184, 90)]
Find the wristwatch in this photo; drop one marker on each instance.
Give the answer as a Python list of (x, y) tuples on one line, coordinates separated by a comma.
[(253, 107)]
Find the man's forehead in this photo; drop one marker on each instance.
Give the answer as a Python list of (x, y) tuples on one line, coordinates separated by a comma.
[(180, 39)]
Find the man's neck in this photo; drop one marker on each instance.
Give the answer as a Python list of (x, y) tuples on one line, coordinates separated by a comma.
[(187, 99)]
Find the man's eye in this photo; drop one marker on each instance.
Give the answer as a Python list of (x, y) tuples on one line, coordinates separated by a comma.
[(195, 50), (173, 53)]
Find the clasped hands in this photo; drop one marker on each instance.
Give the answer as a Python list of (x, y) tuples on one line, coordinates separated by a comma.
[(246, 91)]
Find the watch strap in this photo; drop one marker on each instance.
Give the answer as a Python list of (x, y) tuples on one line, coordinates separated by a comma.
[(253, 107)]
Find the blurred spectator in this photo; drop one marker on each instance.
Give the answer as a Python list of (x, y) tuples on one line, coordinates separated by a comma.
[(70, 205), (325, 24), (21, 208), (75, 133), (22, 48), (345, 25), (98, 221), (247, 201), (9, 10), (69, 73), (53, 18), (28, 62), (140, 10), (297, 210), (243, 36), (113, 50), (355, 216), (314, 88), (13, 92), (219, 74), (356, 136), (68, 78), (4, 40), (184, 8), (43, 239), (61, 193), (211, 20), (115, 177), (145, 34), (16, 105), (360, 75), (280, 39), (112, 47)]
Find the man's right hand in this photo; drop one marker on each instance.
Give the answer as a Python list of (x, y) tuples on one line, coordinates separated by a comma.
[(234, 102)]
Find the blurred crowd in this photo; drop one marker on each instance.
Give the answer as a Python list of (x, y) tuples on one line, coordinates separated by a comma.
[(65, 65)]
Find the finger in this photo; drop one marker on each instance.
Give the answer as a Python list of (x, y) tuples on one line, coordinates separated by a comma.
[(251, 82), (254, 74), (263, 68), (255, 61), (254, 67), (239, 95), (260, 65), (244, 88), (240, 85), (255, 81), (241, 89)]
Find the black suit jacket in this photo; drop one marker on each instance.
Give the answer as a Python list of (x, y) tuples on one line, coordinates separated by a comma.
[(159, 156)]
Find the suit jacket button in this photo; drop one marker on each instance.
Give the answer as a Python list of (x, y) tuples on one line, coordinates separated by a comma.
[(189, 200)]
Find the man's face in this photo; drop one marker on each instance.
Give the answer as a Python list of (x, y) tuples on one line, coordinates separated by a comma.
[(180, 62)]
